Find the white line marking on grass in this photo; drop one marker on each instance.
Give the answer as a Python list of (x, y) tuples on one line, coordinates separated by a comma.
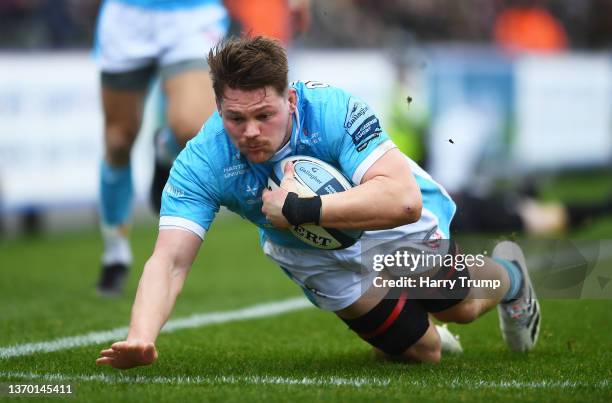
[(316, 381), (540, 384), (194, 380), (193, 321)]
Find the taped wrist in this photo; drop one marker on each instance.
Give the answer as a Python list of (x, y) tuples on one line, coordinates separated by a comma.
[(302, 210)]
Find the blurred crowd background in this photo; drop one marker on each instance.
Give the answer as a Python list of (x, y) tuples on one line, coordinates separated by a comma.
[(581, 24)]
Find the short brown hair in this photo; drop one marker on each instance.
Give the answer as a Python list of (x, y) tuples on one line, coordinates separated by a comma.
[(248, 64)]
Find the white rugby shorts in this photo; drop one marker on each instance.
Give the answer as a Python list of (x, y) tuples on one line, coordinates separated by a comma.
[(334, 279), (131, 37)]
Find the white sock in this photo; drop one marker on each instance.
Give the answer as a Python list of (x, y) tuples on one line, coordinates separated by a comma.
[(450, 342), (116, 246)]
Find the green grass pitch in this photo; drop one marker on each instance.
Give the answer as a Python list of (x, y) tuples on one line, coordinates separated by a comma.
[(47, 293)]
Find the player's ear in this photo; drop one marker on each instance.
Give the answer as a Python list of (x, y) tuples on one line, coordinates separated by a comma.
[(292, 98)]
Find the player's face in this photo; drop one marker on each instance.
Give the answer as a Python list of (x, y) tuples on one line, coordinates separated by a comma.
[(258, 122)]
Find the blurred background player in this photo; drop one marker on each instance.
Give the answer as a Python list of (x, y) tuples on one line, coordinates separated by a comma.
[(526, 25), (278, 19), (520, 26), (135, 40), (282, 20)]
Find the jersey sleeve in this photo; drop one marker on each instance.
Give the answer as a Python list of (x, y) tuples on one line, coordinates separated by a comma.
[(356, 135), (190, 201)]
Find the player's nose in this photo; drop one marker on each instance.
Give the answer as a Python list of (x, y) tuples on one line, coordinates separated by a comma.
[(251, 129)]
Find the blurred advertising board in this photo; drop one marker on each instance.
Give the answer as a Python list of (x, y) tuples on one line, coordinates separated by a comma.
[(508, 114), (51, 132), (563, 111)]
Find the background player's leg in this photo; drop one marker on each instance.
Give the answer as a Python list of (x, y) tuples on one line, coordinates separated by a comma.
[(123, 112), (186, 85), (189, 102), (122, 118)]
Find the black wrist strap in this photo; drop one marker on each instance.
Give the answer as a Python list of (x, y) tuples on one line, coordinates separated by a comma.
[(302, 210)]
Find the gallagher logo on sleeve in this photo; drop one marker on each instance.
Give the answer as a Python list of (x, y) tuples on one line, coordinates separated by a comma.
[(361, 123)]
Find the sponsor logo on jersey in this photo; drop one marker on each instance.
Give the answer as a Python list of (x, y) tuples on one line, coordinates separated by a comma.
[(369, 130), (356, 111), (173, 191), (252, 194), (361, 124), (234, 170), (252, 190)]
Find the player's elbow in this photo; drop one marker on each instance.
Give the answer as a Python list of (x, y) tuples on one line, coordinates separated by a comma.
[(405, 209), (411, 208), (400, 204)]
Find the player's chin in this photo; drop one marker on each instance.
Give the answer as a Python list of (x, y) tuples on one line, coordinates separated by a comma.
[(258, 156)]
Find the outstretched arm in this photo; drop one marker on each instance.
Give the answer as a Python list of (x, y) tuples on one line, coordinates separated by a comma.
[(161, 282)]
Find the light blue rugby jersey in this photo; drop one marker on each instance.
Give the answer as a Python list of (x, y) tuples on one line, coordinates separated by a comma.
[(166, 4), (329, 124)]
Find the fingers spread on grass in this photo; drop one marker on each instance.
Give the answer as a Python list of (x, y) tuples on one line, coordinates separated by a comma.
[(104, 361), (120, 345), (108, 353)]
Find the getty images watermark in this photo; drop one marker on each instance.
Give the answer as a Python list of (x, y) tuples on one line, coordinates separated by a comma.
[(559, 269), (421, 269)]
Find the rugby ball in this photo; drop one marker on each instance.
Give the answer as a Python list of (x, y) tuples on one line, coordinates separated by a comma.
[(316, 177)]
